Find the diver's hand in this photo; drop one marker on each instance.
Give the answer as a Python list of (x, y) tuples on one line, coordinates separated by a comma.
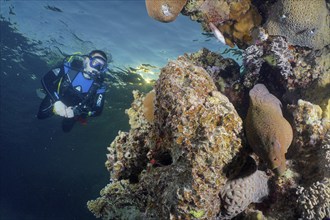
[(69, 112), (62, 110), (59, 108)]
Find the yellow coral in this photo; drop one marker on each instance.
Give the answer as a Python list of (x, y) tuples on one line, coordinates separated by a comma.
[(148, 106), (244, 17)]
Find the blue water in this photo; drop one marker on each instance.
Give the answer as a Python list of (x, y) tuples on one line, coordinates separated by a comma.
[(45, 173)]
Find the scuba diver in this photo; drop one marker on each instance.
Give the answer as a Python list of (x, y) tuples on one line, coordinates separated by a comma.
[(75, 90)]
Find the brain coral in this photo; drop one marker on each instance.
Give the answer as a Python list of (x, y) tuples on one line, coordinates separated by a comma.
[(303, 22), (239, 193), (314, 201)]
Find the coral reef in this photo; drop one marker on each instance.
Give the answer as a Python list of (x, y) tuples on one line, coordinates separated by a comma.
[(235, 19), (164, 10), (119, 200), (127, 153), (225, 73), (302, 23), (319, 91), (195, 134), (179, 163), (274, 53), (185, 156), (275, 62), (311, 141), (190, 118), (237, 194), (268, 132), (314, 201)]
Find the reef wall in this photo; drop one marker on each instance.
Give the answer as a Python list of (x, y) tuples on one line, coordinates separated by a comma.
[(187, 156)]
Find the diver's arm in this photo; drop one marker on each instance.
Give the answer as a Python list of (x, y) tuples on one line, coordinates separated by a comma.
[(50, 82)]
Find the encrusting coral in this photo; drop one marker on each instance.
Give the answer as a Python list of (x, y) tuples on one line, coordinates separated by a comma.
[(183, 156), (164, 10), (275, 53), (196, 132), (148, 106), (302, 23), (237, 194), (235, 19), (314, 201), (177, 164), (312, 160), (226, 75), (275, 62), (268, 132), (311, 141)]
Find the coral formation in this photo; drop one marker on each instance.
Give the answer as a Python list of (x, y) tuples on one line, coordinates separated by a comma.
[(183, 157), (237, 194), (127, 153), (176, 165), (311, 141), (180, 157), (119, 200), (268, 132), (319, 91), (235, 19), (148, 106), (282, 56), (225, 73), (314, 201), (274, 53), (303, 23), (164, 10), (276, 62)]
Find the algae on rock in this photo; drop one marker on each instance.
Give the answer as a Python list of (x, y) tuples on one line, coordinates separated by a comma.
[(175, 167)]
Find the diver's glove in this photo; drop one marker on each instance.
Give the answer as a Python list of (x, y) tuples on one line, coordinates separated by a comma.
[(69, 112), (62, 110)]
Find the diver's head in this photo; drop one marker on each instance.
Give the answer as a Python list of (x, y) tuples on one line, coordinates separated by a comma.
[(95, 62)]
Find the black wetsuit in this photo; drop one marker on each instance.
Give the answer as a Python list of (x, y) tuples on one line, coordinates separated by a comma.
[(68, 84)]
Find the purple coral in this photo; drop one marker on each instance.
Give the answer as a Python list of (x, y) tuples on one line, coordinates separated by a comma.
[(252, 61), (283, 55), (237, 194), (314, 201)]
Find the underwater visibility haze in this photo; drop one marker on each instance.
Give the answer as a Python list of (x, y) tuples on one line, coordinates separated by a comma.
[(45, 173), (214, 109)]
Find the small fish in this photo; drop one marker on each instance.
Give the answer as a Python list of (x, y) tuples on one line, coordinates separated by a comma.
[(217, 33), (301, 32), (53, 8)]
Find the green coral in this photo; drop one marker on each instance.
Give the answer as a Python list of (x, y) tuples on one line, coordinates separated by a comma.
[(197, 214)]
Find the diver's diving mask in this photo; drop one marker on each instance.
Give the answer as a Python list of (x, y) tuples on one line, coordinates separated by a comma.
[(98, 63)]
